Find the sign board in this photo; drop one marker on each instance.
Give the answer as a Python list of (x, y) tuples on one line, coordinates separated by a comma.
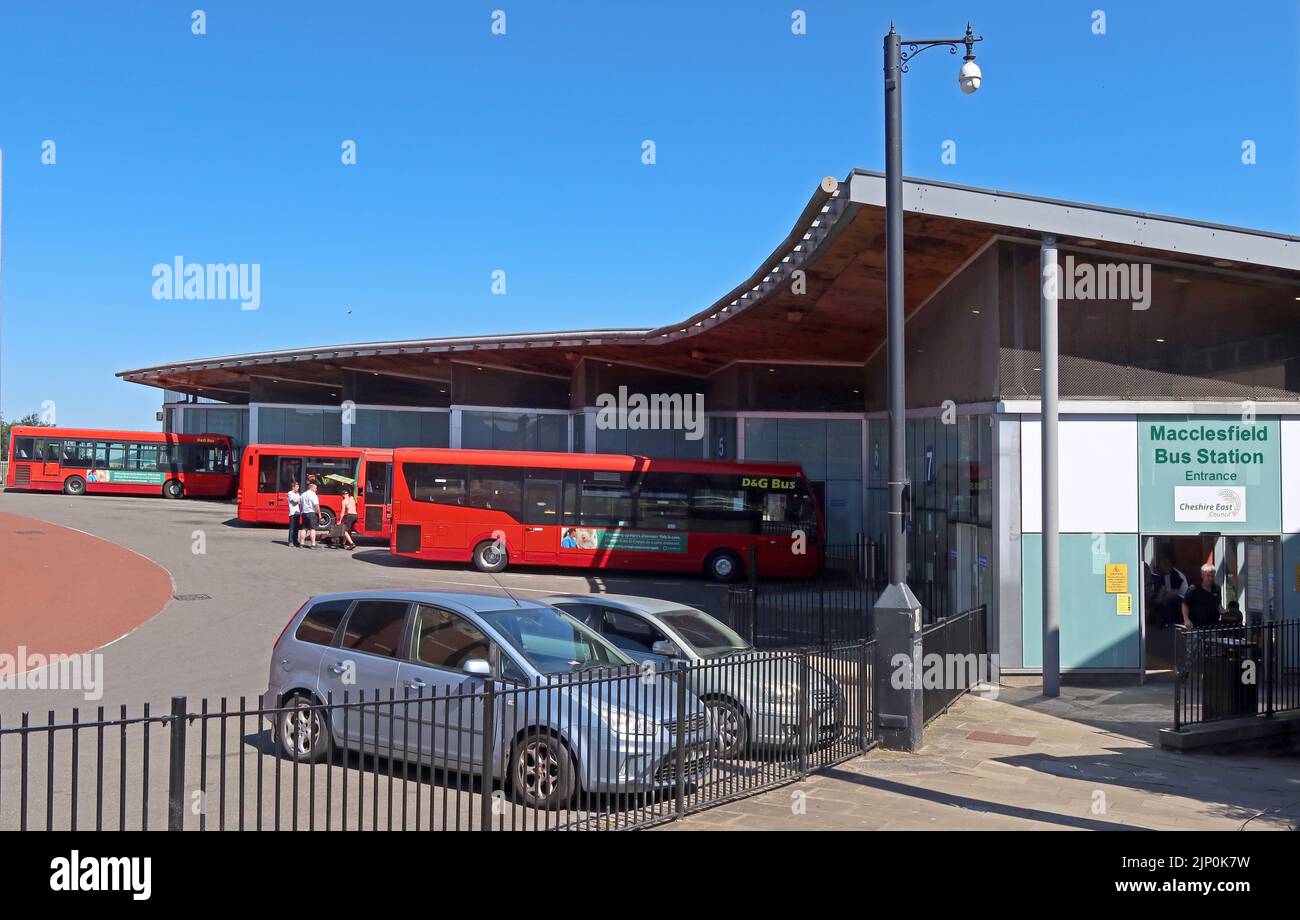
[(1124, 605), (1210, 504), (1201, 473), (1116, 577)]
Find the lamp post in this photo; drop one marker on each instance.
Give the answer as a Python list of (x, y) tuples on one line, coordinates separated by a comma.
[(897, 612)]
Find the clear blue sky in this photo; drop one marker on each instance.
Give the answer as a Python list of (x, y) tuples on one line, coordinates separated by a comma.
[(523, 153)]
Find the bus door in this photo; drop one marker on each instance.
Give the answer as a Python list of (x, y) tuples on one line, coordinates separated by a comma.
[(376, 497), (48, 451), (541, 517)]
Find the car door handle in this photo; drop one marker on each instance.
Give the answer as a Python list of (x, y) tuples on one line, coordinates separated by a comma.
[(416, 684), (339, 668)]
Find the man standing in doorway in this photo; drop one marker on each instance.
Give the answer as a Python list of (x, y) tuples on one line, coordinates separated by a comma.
[(1203, 603), (295, 513), (1165, 592), (310, 508)]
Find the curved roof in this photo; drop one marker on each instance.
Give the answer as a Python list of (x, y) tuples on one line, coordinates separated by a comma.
[(835, 250)]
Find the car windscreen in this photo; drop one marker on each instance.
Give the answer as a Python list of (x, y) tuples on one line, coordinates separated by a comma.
[(554, 642), (705, 635)]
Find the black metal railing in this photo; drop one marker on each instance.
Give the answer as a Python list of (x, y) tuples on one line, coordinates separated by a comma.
[(602, 749), (834, 606), (961, 646), (1233, 672)]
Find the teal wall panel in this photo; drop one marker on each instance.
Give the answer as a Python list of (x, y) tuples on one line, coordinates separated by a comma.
[(1093, 635)]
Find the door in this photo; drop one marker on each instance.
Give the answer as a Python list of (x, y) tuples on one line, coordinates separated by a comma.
[(1255, 574), (541, 516), (290, 471), (51, 457), (445, 721), (376, 512), (364, 666)]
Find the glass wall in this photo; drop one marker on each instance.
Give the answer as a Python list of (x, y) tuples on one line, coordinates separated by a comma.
[(830, 452), (197, 418), (482, 430), (648, 443), (951, 539), (399, 428), (284, 425)]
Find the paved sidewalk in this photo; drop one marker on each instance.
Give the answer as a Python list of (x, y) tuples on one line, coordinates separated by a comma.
[(1086, 761)]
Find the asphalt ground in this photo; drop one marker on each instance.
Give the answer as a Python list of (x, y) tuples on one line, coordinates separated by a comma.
[(246, 582)]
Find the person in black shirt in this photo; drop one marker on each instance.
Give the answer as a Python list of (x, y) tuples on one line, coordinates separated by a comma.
[(1203, 605)]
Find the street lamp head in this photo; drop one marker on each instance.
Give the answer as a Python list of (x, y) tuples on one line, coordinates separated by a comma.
[(970, 77)]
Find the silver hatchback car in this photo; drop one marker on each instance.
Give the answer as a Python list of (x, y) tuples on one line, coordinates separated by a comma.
[(572, 712), (753, 695)]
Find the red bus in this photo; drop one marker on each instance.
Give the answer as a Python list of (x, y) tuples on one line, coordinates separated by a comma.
[(603, 511), (80, 460), (267, 471)]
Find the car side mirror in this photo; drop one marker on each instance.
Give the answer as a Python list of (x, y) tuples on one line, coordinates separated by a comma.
[(479, 667), (665, 649)]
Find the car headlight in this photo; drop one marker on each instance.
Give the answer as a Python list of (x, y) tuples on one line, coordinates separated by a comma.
[(628, 724), (781, 694)]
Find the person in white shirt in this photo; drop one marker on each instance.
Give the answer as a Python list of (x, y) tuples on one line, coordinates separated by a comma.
[(310, 509), (295, 513)]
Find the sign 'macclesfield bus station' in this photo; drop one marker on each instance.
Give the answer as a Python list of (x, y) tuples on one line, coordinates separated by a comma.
[(1179, 436)]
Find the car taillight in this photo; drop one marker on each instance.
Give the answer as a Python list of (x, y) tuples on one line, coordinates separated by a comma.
[(291, 619)]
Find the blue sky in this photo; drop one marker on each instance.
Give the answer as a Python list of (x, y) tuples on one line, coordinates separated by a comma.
[(522, 153)]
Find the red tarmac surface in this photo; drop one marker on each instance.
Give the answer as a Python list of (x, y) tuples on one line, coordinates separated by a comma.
[(66, 591)]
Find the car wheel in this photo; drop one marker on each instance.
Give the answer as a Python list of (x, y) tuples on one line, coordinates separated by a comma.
[(301, 730), (324, 519), (724, 565), (173, 488), (489, 556), (74, 485), (730, 726), (541, 771)]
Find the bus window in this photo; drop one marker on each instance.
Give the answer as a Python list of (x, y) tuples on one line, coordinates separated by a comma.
[(23, 448), (439, 483), (664, 502), (117, 456), (598, 498), (376, 491), (496, 488), (52, 451), (291, 472), (332, 474), (266, 473)]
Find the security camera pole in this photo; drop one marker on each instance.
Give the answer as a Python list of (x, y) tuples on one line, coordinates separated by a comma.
[(899, 711)]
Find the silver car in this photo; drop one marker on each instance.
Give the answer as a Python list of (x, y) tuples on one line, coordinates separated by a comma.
[(753, 695), (573, 712)]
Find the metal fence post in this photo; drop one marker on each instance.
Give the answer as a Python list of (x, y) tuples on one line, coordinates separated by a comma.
[(753, 594), (680, 739), (804, 709), (864, 687), (1271, 666), (176, 767), (1178, 680), (487, 773)]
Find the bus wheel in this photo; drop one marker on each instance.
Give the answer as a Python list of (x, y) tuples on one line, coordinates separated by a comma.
[(489, 557), (724, 565), (74, 485), (173, 488)]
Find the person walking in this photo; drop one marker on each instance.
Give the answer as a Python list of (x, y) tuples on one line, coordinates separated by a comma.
[(1203, 604), (310, 511), (349, 519), (295, 513)]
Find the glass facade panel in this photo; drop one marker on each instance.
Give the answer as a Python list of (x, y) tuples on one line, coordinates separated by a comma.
[(481, 430), (396, 428), (830, 452), (284, 425)]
